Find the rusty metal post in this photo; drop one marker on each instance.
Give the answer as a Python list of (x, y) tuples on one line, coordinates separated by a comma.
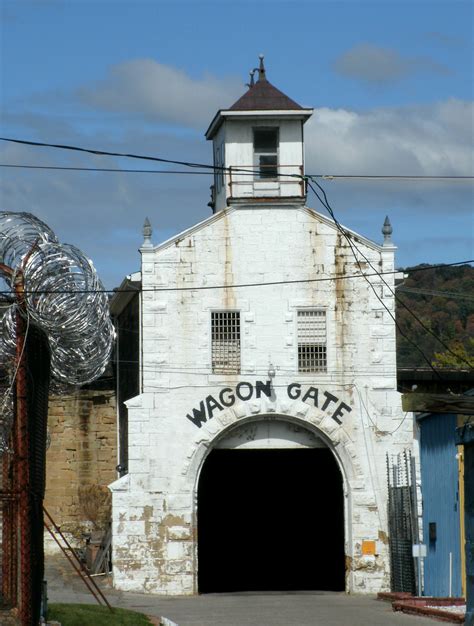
[(9, 536), (21, 448)]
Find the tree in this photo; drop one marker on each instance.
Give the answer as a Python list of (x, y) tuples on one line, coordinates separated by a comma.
[(462, 358)]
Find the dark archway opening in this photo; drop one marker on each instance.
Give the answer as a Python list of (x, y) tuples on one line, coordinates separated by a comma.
[(270, 520)]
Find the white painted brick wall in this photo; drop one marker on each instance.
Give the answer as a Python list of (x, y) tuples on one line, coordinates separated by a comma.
[(154, 509)]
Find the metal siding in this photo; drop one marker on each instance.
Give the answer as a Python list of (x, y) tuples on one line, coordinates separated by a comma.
[(439, 475)]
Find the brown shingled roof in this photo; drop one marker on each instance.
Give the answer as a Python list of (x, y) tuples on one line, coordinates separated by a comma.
[(263, 96)]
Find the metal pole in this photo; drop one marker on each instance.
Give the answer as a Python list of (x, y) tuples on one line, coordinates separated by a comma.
[(9, 554), (450, 574), (465, 436), (9, 510), (23, 477), (419, 576), (69, 552)]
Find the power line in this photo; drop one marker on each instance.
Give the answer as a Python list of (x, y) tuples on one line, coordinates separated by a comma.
[(353, 245), (206, 166), (334, 277), (103, 169), (346, 235), (130, 155), (452, 295), (118, 170), (382, 177)]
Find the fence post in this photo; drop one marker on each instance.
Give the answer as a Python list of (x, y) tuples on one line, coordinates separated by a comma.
[(465, 437)]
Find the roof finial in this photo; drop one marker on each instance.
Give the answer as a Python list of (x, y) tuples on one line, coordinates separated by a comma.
[(252, 79), (147, 231), (261, 69), (387, 231)]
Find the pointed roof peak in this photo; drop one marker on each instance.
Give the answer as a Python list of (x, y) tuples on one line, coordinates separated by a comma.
[(262, 95), (261, 99), (261, 69)]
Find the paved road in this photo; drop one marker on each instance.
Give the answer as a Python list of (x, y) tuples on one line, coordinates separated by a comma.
[(237, 609)]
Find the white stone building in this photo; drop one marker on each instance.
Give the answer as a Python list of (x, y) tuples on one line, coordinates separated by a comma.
[(268, 401)]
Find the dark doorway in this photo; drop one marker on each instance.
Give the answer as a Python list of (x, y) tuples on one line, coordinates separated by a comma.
[(270, 520)]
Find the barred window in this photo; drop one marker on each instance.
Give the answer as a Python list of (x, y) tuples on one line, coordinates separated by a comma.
[(225, 342), (312, 355)]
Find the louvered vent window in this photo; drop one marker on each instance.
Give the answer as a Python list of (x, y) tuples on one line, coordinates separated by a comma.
[(312, 355), (225, 342)]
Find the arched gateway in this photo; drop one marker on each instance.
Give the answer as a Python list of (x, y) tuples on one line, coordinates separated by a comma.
[(254, 448), (270, 511)]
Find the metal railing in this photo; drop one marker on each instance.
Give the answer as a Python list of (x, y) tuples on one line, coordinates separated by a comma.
[(285, 175)]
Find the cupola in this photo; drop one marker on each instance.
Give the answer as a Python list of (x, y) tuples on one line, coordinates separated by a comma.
[(258, 147)]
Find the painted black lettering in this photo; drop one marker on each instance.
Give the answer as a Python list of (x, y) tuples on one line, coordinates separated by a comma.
[(199, 415), (242, 396), (265, 388), (311, 393), (294, 391), (339, 412), (212, 405), (230, 399), (329, 398)]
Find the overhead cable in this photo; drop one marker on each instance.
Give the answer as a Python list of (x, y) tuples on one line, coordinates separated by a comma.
[(205, 166), (352, 245), (334, 277)]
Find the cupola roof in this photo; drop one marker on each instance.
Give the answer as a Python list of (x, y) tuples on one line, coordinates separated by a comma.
[(262, 99), (263, 96)]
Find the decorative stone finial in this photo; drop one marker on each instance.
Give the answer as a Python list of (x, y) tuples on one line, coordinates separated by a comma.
[(147, 231), (387, 231)]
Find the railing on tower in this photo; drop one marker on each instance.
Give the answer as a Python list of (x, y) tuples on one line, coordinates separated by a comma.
[(266, 181)]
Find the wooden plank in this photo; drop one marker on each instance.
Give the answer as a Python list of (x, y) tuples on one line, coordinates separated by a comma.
[(100, 564), (438, 403)]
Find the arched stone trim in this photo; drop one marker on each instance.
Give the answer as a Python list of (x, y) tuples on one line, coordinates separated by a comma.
[(297, 412)]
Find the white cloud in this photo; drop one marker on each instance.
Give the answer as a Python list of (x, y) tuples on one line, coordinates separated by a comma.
[(377, 65), (103, 213), (426, 140), (161, 93)]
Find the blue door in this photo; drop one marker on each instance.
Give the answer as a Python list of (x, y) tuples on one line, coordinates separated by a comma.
[(440, 491)]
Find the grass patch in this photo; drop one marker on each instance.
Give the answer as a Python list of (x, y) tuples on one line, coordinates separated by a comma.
[(93, 615)]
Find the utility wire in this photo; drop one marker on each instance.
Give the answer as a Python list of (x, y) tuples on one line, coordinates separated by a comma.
[(451, 295), (104, 169), (382, 177), (334, 277), (206, 166), (131, 155), (251, 172), (353, 245), (346, 235), (325, 203)]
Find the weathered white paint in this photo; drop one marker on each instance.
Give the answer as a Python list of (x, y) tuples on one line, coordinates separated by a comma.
[(236, 135), (154, 506)]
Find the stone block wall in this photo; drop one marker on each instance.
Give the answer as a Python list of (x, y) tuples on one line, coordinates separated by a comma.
[(83, 451)]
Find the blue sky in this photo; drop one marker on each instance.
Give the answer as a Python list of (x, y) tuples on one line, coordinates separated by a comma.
[(391, 82)]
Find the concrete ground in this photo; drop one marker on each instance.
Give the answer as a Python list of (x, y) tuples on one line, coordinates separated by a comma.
[(236, 609)]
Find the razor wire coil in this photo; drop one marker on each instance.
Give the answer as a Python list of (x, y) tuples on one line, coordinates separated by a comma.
[(63, 295)]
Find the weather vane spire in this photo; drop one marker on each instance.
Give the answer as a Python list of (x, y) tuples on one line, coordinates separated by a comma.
[(261, 68)]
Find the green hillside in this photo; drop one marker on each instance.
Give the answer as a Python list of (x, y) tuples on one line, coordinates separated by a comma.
[(443, 299)]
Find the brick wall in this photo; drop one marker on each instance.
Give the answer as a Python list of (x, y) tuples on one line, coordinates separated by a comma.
[(83, 451)]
